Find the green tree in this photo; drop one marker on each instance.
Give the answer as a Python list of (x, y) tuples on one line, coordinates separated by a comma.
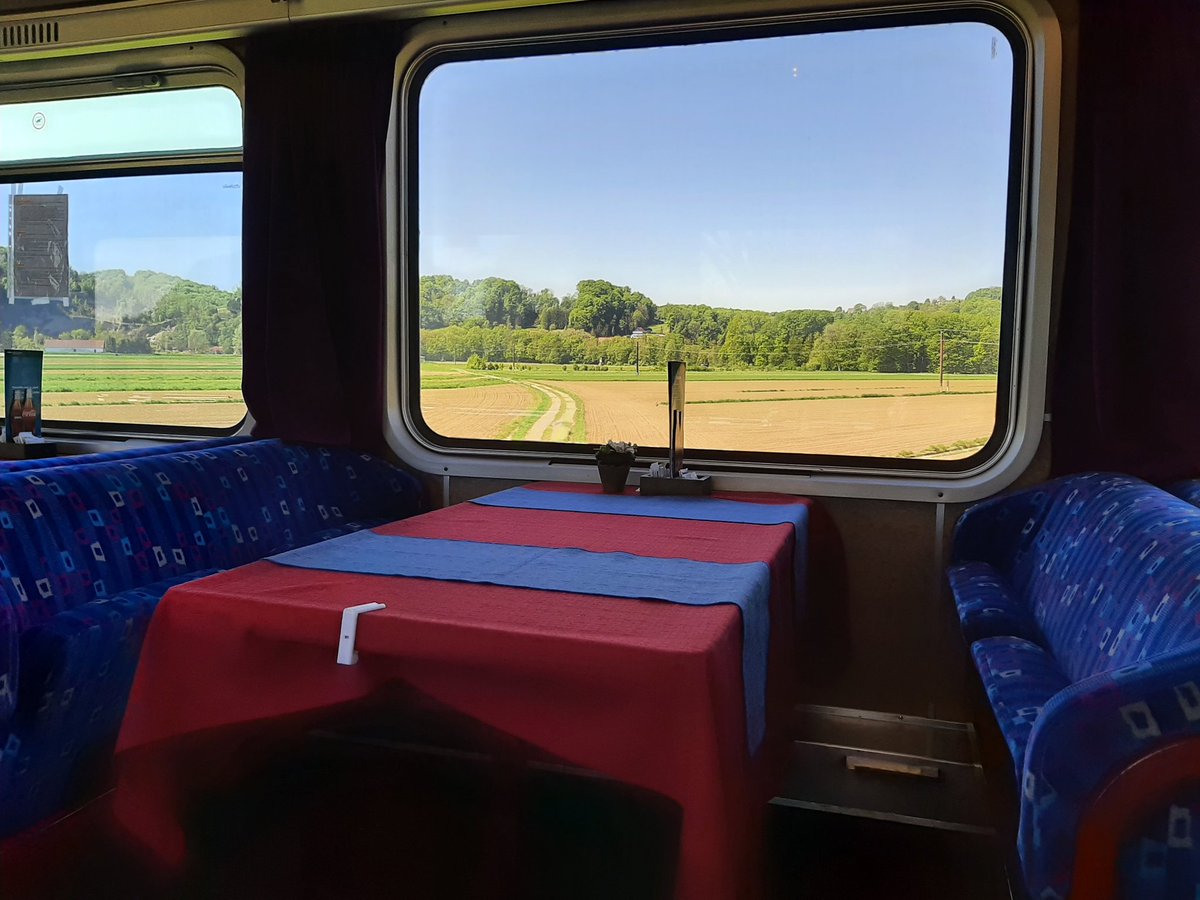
[(607, 310)]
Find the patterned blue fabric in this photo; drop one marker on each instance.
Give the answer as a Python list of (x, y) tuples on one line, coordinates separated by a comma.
[(1187, 490), (1089, 731), (1106, 563), (986, 605), (76, 672), (53, 462), (73, 536), (1110, 567), (1020, 678), (1162, 863)]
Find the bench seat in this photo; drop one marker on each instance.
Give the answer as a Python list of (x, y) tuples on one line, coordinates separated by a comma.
[(87, 550), (1080, 600)]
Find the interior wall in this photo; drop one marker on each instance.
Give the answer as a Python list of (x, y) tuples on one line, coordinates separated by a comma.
[(891, 641), (901, 652)]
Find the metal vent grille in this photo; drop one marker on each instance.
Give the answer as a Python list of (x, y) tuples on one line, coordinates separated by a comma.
[(29, 34)]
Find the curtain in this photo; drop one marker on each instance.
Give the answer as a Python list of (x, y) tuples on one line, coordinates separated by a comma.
[(317, 108), (1126, 393)]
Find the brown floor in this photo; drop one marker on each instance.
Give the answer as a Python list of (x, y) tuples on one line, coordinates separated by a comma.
[(817, 855), (434, 831), (401, 822)]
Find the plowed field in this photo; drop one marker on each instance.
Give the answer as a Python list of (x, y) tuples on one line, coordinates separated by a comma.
[(756, 419), (218, 409), (486, 411), (871, 416)]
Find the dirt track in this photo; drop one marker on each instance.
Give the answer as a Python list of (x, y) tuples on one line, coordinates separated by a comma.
[(555, 423)]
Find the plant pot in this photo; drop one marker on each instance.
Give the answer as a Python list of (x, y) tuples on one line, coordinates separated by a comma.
[(613, 475)]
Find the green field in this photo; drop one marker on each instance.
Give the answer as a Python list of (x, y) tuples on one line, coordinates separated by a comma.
[(65, 373), (163, 389)]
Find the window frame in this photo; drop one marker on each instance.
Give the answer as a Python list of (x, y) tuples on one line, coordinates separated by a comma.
[(1031, 27), (113, 74)]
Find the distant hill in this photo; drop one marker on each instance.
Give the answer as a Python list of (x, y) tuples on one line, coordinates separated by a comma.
[(152, 310), (120, 296)]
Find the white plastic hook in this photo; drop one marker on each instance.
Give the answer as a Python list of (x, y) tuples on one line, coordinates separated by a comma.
[(347, 655)]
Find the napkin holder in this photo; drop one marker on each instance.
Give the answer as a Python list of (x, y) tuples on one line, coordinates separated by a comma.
[(670, 480), (652, 486)]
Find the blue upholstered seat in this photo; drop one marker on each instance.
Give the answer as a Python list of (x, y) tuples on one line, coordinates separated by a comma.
[(986, 604), (88, 550), (1161, 863), (54, 462), (1187, 490), (1020, 678), (1107, 570)]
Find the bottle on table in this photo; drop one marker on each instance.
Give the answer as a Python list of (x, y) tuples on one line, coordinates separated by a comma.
[(29, 413), (15, 415)]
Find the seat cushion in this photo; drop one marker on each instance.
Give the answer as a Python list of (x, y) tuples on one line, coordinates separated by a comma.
[(986, 605), (75, 674), (1020, 678)]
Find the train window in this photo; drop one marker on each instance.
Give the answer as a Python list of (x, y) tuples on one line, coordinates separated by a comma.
[(122, 255), (824, 225)]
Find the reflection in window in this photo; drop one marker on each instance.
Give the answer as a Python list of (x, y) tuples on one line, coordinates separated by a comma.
[(130, 284)]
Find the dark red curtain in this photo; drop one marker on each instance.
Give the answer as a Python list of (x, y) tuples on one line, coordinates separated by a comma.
[(317, 109), (1127, 372)]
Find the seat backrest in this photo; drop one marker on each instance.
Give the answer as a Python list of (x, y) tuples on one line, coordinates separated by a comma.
[(72, 534), (54, 462), (1187, 490), (1110, 569)]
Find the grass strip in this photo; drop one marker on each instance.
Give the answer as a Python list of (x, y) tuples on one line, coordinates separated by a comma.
[(179, 401), (935, 449), (578, 432), (440, 385), (517, 431), (830, 397)]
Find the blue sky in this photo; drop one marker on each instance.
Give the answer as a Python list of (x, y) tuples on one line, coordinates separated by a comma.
[(182, 224), (807, 171)]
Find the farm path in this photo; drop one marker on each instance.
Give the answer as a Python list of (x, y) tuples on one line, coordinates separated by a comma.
[(555, 423)]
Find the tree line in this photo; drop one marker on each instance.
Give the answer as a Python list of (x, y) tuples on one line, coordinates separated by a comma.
[(499, 320)]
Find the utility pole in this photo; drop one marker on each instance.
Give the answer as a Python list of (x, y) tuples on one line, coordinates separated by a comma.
[(941, 361)]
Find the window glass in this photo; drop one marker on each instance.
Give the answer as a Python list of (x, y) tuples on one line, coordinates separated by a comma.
[(208, 118), (131, 285), (817, 224)]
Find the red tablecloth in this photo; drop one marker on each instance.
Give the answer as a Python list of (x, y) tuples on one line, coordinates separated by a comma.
[(646, 692)]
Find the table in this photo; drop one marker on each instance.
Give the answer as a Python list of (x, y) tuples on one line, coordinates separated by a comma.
[(646, 692)]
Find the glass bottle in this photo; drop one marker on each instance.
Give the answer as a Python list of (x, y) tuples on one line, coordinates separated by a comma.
[(15, 415), (29, 413)]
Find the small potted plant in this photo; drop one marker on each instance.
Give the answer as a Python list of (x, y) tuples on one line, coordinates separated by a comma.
[(613, 461)]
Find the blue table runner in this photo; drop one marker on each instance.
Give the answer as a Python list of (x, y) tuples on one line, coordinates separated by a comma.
[(690, 582), (707, 509)]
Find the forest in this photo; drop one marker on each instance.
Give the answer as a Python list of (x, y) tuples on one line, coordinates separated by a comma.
[(494, 321)]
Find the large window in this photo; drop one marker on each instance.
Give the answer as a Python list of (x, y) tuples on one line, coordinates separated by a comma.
[(822, 225), (120, 254)]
